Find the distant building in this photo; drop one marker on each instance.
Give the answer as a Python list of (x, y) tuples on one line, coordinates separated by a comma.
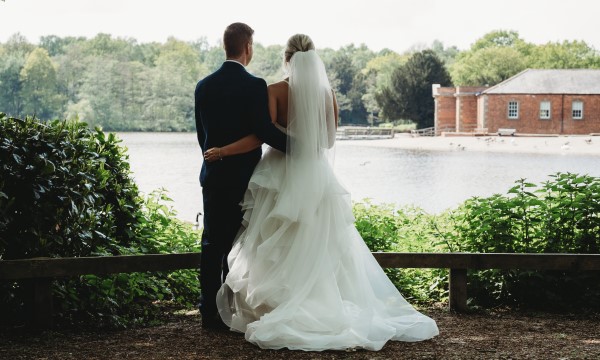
[(531, 102)]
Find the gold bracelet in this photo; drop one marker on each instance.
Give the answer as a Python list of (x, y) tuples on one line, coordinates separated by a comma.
[(220, 157)]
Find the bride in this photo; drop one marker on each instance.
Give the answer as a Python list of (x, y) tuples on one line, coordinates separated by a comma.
[(301, 277)]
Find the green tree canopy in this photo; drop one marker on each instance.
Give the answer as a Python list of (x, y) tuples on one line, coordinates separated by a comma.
[(123, 85), (38, 77), (565, 55), (488, 66), (409, 94), (10, 82), (378, 73), (498, 38)]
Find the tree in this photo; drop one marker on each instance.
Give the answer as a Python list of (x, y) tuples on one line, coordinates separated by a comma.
[(213, 58), (487, 67), (39, 85), (11, 101), (267, 62), (96, 93), (498, 38), (168, 103), (378, 73), (17, 43), (493, 58), (56, 45), (73, 66), (446, 54), (409, 94), (565, 55), (344, 69)]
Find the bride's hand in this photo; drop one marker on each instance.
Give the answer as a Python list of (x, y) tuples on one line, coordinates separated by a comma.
[(213, 154)]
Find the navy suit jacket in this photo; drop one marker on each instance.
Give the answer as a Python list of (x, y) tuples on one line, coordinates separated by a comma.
[(230, 104)]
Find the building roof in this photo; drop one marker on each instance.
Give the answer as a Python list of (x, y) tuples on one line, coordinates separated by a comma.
[(558, 81)]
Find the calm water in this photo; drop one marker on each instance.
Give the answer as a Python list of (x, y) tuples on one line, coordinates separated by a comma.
[(432, 180)]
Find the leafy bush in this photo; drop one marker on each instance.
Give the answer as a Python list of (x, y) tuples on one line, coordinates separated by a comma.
[(386, 228), (127, 298), (67, 191), (64, 191), (560, 216)]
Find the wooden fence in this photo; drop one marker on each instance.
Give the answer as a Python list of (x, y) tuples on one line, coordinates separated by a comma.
[(41, 271)]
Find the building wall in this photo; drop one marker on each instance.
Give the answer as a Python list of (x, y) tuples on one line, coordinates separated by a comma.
[(466, 109), (529, 122), (482, 112), (591, 115), (466, 104), (445, 109)]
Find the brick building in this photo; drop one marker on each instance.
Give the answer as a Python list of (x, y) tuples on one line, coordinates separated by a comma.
[(531, 102)]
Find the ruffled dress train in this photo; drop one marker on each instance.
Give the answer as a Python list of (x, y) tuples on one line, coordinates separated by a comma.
[(304, 279)]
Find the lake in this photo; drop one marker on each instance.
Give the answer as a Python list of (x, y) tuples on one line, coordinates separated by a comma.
[(432, 180)]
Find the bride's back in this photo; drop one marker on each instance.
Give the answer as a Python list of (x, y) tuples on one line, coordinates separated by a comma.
[(278, 102)]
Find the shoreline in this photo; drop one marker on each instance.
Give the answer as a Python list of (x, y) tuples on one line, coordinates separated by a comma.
[(546, 145)]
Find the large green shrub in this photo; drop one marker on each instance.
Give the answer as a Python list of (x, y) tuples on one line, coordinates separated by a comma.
[(66, 190), (561, 215), (131, 298)]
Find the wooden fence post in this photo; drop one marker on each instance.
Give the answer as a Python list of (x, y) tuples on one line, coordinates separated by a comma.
[(458, 290), (42, 303)]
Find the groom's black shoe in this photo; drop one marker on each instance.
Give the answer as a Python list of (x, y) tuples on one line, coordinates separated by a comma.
[(214, 323)]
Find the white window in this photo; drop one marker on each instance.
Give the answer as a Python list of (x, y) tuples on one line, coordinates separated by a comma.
[(577, 110), (513, 110), (545, 110)]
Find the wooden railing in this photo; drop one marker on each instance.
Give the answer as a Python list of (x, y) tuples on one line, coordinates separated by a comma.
[(41, 271), (357, 133), (430, 131)]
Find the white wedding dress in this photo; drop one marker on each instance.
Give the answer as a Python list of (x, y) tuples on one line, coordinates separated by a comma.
[(301, 276)]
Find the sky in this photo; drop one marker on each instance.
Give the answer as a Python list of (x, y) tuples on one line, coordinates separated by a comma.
[(394, 24)]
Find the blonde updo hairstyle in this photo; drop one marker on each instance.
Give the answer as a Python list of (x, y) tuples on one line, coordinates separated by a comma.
[(298, 42)]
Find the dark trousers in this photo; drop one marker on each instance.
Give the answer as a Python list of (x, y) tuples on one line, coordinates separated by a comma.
[(222, 220)]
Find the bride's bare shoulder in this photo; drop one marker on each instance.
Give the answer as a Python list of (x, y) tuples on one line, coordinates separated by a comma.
[(279, 86), (278, 89)]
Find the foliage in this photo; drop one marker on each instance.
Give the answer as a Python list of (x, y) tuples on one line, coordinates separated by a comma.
[(560, 216), (565, 55), (386, 228), (127, 299), (348, 82), (377, 73), (501, 54), (498, 38), (65, 191), (409, 94), (446, 54), (123, 85), (488, 66)]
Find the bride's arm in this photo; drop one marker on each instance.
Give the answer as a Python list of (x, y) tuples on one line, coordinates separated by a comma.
[(272, 104), (243, 145), (332, 124), (335, 109)]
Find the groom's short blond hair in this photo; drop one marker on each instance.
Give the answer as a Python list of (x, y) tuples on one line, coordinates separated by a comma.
[(235, 38)]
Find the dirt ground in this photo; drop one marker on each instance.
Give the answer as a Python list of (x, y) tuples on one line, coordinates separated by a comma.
[(490, 335)]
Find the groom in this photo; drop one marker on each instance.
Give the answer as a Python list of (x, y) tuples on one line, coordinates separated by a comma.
[(229, 104)]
